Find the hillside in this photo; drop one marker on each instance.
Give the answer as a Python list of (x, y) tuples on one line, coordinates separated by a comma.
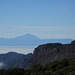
[(22, 63), (63, 67), (14, 60), (46, 53)]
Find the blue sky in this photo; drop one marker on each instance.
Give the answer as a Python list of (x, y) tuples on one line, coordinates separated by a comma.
[(43, 18)]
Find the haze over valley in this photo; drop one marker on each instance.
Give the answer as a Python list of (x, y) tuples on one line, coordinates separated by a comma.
[(37, 37)]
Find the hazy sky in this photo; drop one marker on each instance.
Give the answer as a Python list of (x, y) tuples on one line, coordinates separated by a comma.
[(43, 18)]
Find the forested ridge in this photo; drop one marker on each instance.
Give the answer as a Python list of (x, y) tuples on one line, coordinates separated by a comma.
[(63, 67)]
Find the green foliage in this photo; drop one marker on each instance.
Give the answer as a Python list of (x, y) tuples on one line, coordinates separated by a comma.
[(37, 69), (72, 61), (52, 66), (72, 73), (63, 67)]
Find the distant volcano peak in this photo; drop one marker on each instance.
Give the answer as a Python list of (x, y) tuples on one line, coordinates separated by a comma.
[(27, 36)]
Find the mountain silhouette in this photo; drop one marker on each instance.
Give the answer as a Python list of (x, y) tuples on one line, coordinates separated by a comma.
[(13, 59), (30, 40)]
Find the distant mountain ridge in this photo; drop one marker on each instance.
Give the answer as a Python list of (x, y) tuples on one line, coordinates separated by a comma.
[(30, 40), (13, 60)]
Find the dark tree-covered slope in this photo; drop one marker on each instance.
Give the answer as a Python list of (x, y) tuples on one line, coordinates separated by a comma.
[(63, 67)]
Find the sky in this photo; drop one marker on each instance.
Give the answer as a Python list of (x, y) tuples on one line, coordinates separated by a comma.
[(46, 19)]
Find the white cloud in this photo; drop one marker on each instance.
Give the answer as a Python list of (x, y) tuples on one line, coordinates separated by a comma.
[(1, 65)]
